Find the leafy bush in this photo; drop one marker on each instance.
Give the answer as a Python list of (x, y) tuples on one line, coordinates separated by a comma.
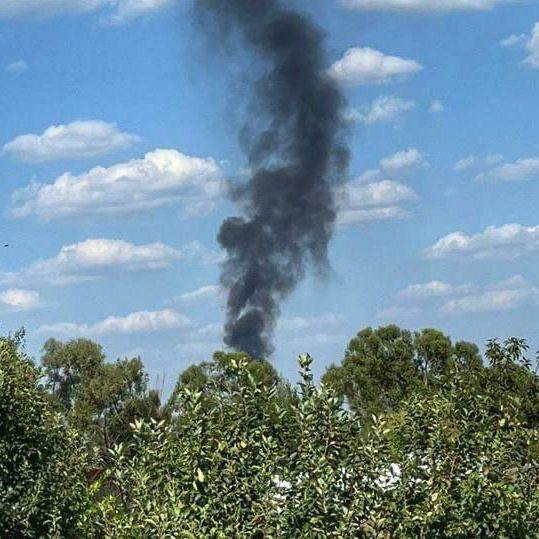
[(450, 448), (452, 462), (43, 491)]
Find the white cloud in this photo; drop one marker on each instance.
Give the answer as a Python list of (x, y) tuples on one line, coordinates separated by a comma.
[(464, 299), (436, 107), (382, 109), (395, 165), (514, 40), (127, 10), (363, 65), (376, 201), (384, 193), (203, 294), (505, 242), (20, 66), (506, 295), (299, 323), (161, 177), (373, 197), (77, 139), (91, 259), (477, 163), (533, 47), (358, 216), (424, 5), (137, 322), (432, 289), (524, 169), (403, 160), (115, 11), (530, 42), (20, 300)]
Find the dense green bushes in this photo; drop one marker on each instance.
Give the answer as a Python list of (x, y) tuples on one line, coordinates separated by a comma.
[(237, 452), (43, 489)]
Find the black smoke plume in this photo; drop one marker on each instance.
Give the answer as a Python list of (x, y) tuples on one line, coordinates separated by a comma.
[(297, 156)]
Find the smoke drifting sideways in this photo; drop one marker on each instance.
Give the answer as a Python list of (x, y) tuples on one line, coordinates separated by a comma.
[(297, 156)]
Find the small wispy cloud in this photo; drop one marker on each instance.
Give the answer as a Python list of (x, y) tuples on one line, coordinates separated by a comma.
[(384, 109), (18, 67), (136, 322)]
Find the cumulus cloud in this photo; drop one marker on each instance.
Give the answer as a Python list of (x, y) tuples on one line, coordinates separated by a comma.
[(403, 160), (137, 322), (376, 195), (382, 109), (530, 42), (506, 295), (395, 166), (507, 242), (377, 201), (91, 259), (463, 299), (363, 65), (20, 66), (477, 163), (533, 47), (524, 169), (20, 300), (514, 40), (113, 11), (432, 289), (161, 177), (77, 139), (424, 5)]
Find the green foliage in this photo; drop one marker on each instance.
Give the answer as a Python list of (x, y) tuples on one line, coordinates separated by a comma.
[(99, 399), (451, 462), (383, 366), (42, 470), (66, 365), (434, 444), (470, 466)]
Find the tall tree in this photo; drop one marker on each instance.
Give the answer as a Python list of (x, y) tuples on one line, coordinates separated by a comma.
[(100, 399), (383, 366)]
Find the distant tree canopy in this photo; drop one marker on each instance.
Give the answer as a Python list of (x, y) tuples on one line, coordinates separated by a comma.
[(99, 399), (383, 366)]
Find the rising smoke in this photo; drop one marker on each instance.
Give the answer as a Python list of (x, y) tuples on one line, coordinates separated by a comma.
[(297, 156)]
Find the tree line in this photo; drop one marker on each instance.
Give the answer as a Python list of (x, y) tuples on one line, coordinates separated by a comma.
[(408, 435)]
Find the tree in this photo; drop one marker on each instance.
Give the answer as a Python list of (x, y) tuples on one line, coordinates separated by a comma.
[(207, 376), (383, 366), (113, 398), (43, 490), (468, 459), (67, 365), (99, 399)]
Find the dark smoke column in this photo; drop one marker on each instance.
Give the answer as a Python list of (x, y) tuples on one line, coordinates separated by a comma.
[(296, 155)]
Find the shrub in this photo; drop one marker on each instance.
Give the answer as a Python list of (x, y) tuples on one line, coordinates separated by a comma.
[(42, 468)]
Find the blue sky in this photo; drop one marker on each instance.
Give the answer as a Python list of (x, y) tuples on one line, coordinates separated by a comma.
[(120, 128)]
